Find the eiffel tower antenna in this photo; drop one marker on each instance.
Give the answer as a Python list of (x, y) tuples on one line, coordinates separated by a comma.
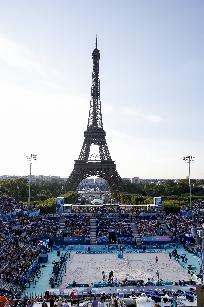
[(102, 166)]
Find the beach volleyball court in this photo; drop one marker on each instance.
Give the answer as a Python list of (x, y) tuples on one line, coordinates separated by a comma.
[(88, 268)]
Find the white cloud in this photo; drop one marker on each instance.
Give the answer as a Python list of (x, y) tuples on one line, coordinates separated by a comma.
[(106, 109), (16, 54), (35, 121), (143, 116), (119, 134), (52, 85), (19, 56), (38, 122)]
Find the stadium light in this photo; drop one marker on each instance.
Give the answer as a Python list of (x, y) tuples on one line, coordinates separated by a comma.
[(189, 159), (30, 158)]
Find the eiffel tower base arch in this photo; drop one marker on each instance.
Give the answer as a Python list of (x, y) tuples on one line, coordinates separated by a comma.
[(104, 169)]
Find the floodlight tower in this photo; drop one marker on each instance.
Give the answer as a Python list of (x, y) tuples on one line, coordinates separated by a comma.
[(189, 160), (30, 158)]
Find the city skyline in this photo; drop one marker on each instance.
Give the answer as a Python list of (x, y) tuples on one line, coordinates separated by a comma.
[(151, 73)]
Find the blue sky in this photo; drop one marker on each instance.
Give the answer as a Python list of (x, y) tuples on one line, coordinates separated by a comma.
[(151, 70)]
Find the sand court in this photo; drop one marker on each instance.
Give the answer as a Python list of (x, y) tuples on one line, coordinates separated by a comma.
[(88, 268)]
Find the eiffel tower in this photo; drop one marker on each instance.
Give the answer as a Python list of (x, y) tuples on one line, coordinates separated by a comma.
[(100, 165)]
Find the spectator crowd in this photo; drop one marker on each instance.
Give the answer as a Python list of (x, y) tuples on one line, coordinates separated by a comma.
[(20, 233)]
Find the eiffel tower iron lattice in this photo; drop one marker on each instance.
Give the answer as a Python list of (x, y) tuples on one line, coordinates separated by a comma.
[(88, 164)]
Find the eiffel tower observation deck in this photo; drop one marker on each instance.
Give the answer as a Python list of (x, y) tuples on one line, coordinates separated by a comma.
[(100, 164)]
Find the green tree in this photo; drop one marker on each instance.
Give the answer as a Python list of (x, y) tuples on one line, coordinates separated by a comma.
[(17, 188), (47, 206)]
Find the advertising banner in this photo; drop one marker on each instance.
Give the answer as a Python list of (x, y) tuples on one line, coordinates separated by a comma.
[(158, 202)]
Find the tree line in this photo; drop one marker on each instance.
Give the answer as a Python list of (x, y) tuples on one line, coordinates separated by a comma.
[(166, 187), (174, 193)]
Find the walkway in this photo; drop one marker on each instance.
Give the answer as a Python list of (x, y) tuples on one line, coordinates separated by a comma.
[(42, 284)]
